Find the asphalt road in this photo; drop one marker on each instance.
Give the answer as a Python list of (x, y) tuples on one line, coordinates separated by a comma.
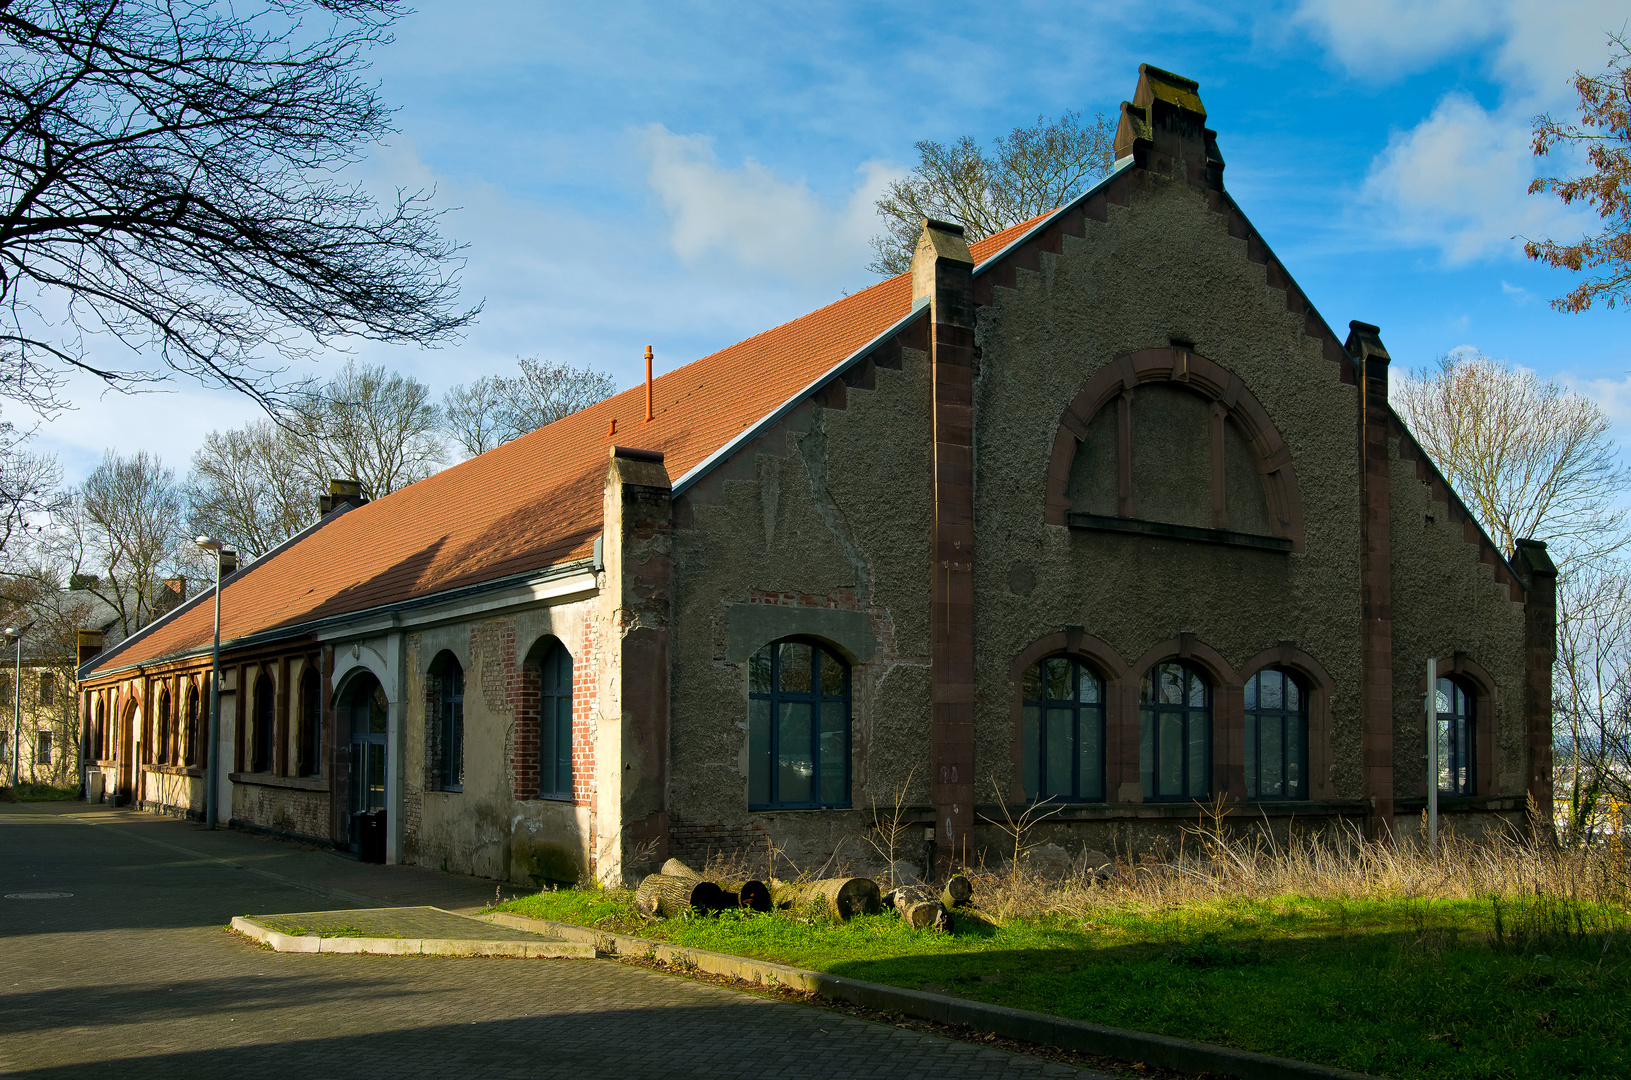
[(133, 975)]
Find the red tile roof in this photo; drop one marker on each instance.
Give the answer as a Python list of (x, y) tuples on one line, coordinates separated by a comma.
[(535, 501)]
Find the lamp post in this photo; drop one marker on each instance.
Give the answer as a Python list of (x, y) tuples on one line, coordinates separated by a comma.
[(16, 704), (212, 752)]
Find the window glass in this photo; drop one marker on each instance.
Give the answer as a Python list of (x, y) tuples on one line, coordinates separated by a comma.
[(450, 714), (1456, 734), (555, 724), (1276, 736), (261, 721), (1175, 733), (798, 727), (1062, 716)]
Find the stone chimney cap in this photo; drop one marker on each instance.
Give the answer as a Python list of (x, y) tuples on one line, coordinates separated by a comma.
[(1155, 84)]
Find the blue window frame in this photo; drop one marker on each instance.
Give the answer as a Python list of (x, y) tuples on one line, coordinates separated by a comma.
[(1175, 733), (798, 727), (1276, 736), (555, 724), (1063, 719), (1456, 732)]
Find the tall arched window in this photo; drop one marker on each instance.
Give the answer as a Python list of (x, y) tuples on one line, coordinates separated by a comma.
[(798, 727), (448, 675), (1276, 736), (1063, 719), (260, 737), (310, 741), (162, 752), (99, 733), (1456, 726), (1175, 733), (195, 734), (555, 724)]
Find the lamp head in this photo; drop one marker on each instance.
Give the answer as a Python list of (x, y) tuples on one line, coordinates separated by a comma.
[(209, 543), (12, 633)]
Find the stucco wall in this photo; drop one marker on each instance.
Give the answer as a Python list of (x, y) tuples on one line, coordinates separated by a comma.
[(486, 829)]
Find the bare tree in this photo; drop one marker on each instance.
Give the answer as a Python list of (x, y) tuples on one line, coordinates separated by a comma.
[(371, 425), (251, 487), (121, 534), (1604, 134), (29, 485), (1531, 458), (1592, 696), (1030, 171), (38, 598), (166, 178), (495, 409)]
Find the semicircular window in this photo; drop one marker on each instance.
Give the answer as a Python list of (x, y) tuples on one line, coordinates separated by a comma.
[(798, 727)]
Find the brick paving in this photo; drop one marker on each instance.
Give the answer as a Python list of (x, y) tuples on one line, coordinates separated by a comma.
[(135, 976)]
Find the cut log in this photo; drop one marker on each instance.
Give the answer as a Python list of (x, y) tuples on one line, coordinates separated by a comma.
[(675, 868), (670, 896), (957, 892), (919, 907), (752, 894), (843, 897)]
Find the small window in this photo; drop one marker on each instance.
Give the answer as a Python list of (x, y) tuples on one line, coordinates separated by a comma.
[(42, 756), (798, 727), (260, 738), (1175, 733), (555, 724), (161, 746), (1063, 718), (1456, 732), (1276, 736), (449, 678), (195, 736), (311, 724), (48, 688)]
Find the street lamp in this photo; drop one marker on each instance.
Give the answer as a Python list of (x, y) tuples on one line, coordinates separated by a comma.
[(16, 635), (212, 752)]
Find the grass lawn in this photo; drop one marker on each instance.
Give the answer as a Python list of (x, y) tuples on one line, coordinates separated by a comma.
[(38, 793), (1406, 988)]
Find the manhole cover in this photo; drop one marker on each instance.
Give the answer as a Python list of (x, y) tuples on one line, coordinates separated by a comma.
[(37, 895)]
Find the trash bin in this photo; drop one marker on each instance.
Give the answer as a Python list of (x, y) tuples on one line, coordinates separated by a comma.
[(371, 836)]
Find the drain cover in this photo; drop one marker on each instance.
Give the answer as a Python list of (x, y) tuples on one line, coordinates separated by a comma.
[(37, 895)]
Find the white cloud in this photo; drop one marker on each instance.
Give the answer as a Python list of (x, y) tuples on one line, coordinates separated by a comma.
[(752, 217), (1459, 181), (1385, 37)]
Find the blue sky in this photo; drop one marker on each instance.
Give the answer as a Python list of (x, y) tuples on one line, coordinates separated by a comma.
[(687, 174)]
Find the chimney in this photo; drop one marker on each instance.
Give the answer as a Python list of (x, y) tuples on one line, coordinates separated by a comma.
[(229, 563), (1164, 129), (171, 595), (341, 493), (90, 644)]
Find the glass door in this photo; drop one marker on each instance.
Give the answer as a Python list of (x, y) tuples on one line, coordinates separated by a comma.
[(368, 753)]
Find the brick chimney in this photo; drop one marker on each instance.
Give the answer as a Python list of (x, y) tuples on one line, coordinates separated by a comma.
[(341, 493), (1164, 129), (90, 644), (172, 595), (229, 563)]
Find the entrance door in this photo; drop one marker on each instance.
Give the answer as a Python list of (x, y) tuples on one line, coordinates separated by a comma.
[(368, 711)]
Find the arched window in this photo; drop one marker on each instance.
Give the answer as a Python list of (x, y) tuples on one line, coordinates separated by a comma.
[(260, 737), (99, 732), (1063, 714), (798, 727), (162, 753), (555, 724), (195, 718), (1276, 736), (1175, 733), (449, 726), (1456, 726), (310, 755)]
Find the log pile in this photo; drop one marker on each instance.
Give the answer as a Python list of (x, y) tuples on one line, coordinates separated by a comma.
[(671, 896), (844, 898), (750, 893)]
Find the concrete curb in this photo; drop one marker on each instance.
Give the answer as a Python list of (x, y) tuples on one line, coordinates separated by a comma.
[(312, 943), (1184, 1055)]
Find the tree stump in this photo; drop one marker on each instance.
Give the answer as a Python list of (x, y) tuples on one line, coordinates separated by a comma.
[(843, 897), (919, 907), (752, 893), (957, 892), (670, 896)]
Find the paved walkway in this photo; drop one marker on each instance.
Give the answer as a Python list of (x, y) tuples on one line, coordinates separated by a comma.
[(133, 975)]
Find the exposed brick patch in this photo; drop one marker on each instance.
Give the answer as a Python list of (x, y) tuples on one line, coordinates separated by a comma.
[(524, 694), (842, 600), (696, 844), (492, 650)]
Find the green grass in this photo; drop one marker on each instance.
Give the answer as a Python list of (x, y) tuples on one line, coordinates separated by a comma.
[(1411, 987), (38, 793), (297, 930)]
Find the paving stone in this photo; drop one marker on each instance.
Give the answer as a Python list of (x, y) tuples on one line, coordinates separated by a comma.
[(135, 975)]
